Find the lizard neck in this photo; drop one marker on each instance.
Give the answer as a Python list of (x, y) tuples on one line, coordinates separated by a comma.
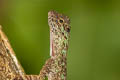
[(58, 43)]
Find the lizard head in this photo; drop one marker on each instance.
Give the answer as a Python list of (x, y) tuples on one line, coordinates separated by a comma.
[(59, 32), (58, 22)]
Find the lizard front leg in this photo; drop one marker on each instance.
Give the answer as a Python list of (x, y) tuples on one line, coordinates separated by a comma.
[(46, 68)]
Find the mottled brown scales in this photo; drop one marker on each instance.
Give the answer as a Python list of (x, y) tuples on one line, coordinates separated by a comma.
[(59, 36), (55, 67)]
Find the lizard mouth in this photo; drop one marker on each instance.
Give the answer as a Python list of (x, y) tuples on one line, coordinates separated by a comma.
[(52, 13), (51, 16)]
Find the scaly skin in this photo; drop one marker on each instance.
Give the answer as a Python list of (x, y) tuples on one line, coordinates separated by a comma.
[(56, 67)]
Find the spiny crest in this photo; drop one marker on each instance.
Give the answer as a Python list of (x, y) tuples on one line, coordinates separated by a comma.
[(59, 22)]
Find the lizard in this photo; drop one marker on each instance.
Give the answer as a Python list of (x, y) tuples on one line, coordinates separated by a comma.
[(55, 67)]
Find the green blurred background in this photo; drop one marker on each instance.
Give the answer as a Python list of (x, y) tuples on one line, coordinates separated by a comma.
[(94, 50)]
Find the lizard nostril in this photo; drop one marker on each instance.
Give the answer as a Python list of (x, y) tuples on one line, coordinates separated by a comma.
[(56, 21)]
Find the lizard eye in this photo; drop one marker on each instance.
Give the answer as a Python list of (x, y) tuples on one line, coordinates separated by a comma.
[(61, 21)]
